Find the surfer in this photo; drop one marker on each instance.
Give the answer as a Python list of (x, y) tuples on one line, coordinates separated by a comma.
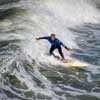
[(55, 44)]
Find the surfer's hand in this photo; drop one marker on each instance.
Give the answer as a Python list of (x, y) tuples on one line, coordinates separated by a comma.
[(68, 49), (37, 38)]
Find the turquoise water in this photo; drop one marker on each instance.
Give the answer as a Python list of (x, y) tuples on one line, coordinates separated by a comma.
[(26, 73)]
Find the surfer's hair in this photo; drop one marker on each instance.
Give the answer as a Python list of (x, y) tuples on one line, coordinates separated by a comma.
[(53, 34)]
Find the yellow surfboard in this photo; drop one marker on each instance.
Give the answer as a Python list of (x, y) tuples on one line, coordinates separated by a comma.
[(74, 63)]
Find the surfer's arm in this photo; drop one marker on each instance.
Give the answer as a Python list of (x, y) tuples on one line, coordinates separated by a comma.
[(41, 38), (61, 43), (66, 47)]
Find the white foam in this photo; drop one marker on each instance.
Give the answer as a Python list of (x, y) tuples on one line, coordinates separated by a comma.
[(51, 16)]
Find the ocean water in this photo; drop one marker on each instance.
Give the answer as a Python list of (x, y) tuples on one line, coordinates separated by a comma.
[(26, 73)]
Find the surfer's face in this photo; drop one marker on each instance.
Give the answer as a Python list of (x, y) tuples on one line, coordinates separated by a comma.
[(52, 37)]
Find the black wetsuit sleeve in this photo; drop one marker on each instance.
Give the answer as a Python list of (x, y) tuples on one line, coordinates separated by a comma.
[(65, 46), (44, 37)]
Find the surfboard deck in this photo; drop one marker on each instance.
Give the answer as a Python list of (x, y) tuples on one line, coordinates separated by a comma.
[(74, 63), (70, 62)]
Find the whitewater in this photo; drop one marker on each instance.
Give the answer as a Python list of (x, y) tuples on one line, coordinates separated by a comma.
[(26, 72)]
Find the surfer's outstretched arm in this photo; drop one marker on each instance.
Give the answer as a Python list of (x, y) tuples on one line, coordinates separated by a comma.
[(66, 47), (39, 38), (46, 37)]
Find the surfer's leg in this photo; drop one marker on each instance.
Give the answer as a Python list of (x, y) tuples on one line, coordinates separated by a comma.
[(53, 47), (60, 51)]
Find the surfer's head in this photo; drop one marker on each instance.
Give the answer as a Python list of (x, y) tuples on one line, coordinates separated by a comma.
[(53, 36)]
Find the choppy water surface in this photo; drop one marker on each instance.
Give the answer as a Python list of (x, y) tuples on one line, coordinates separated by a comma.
[(25, 72)]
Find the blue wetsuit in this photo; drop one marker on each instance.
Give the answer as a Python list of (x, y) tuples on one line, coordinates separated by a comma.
[(55, 44)]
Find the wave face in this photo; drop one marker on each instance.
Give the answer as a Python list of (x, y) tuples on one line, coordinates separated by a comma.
[(26, 73)]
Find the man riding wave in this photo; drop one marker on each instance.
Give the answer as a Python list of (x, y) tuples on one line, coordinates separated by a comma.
[(55, 44)]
